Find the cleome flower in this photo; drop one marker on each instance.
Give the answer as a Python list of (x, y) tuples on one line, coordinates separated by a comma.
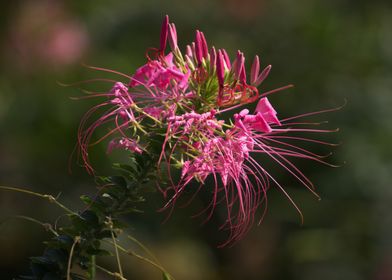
[(178, 99)]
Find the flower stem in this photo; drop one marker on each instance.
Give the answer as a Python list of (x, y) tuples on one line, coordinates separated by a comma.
[(49, 197), (69, 265), (92, 269), (115, 248)]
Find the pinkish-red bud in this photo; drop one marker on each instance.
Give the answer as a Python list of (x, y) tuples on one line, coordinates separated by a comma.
[(204, 46), (254, 72), (263, 75), (164, 32), (198, 47), (227, 59), (242, 76), (220, 69), (213, 57), (189, 51), (173, 36), (239, 62)]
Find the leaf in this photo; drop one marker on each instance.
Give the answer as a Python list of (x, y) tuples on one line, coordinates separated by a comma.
[(56, 255), (91, 218), (64, 239), (86, 199), (119, 181), (41, 260), (79, 224)]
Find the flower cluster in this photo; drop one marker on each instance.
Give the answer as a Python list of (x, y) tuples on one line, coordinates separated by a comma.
[(178, 99)]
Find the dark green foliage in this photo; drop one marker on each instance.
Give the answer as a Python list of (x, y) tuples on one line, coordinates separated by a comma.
[(82, 237)]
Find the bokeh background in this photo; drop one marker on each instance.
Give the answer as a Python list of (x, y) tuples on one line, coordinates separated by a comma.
[(332, 51)]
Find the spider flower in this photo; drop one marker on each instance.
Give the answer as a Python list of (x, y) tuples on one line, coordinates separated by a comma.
[(178, 100)]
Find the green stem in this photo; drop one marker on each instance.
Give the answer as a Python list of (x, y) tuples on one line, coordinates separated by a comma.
[(92, 269), (145, 249), (114, 274), (132, 253), (115, 248), (47, 226), (49, 197)]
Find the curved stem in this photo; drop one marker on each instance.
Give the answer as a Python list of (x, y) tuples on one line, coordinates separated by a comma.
[(49, 197), (132, 253), (115, 247), (114, 274), (76, 241), (145, 249), (47, 226)]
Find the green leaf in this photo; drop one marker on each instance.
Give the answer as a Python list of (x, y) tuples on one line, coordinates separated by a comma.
[(41, 260), (86, 199), (119, 181), (91, 218), (79, 224)]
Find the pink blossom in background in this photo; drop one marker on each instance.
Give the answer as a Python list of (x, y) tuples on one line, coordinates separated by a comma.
[(43, 33)]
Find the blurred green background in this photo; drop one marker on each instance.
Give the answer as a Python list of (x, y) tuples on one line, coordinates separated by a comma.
[(331, 50)]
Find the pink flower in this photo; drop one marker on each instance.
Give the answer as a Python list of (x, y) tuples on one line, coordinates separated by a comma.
[(179, 100), (160, 74), (125, 144), (265, 108)]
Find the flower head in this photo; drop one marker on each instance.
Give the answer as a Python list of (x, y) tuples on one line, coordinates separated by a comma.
[(179, 98)]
